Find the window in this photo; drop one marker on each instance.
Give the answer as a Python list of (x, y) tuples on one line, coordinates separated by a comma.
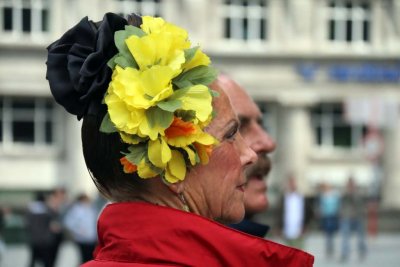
[(245, 20), (140, 7), (27, 121), (349, 21), (331, 129), (24, 16)]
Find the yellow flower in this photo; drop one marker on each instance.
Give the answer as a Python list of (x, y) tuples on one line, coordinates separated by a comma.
[(131, 139), (197, 98), (131, 92), (176, 168), (147, 112), (145, 171), (124, 118), (159, 152), (153, 25), (191, 155), (157, 49), (198, 59), (172, 161)]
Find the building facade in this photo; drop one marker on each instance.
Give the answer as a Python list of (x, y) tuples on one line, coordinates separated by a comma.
[(326, 74)]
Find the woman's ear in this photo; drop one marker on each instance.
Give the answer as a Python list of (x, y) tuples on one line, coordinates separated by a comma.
[(177, 188)]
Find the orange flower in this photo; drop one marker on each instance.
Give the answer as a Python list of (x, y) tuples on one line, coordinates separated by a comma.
[(128, 166), (179, 128), (204, 152)]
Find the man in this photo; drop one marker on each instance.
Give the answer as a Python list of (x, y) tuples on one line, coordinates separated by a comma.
[(257, 138), (352, 217)]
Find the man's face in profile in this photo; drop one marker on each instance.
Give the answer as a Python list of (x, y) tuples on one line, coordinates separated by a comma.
[(257, 139)]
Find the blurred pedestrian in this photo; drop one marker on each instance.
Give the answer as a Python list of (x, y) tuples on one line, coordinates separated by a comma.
[(255, 197), (328, 211), (39, 231), (2, 227), (80, 221), (295, 214), (352, 217), (56, 203)]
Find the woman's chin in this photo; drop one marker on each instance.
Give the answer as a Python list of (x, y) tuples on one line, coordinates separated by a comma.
[(235, 216)]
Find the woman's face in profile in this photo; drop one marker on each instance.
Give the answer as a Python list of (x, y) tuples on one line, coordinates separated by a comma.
[(218, 187)]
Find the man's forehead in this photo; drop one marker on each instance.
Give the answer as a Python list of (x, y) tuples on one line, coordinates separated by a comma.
[(242, 103)]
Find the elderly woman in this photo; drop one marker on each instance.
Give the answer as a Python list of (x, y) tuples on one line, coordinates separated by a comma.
[(162, 146)]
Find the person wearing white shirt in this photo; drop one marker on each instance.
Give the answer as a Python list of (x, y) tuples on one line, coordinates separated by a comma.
[(80, 220)]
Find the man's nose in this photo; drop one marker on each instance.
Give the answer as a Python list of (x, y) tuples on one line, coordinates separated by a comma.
[(262, 142)]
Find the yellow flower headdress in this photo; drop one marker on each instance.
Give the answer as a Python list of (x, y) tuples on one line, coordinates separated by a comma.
[(158, 100)]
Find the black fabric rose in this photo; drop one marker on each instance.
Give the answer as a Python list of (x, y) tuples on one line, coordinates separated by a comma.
[(77, 64)]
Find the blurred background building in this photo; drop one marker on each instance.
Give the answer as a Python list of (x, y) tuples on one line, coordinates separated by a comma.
[(326, 74)]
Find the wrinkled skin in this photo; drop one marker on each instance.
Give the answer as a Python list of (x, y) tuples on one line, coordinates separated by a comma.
[(216, 190)]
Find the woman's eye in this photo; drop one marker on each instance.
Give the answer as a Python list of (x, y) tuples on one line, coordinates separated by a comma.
[(231, 134)]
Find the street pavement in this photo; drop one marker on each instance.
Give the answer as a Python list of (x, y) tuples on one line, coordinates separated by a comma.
[(383, 251)]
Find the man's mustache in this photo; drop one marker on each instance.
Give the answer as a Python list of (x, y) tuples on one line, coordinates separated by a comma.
[(260, 168)]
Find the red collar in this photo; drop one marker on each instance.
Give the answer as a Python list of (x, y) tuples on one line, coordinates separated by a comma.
[(150, 234)]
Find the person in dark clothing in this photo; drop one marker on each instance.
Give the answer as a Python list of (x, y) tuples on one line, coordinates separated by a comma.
[(40, 236), (2, 227), (258, 139), (44, 228), (352, 220), (55, 202)]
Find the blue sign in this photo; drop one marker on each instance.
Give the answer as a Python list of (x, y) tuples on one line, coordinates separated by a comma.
[(364, 73)]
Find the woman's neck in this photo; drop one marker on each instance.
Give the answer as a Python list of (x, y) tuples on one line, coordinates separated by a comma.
[(158, 193)]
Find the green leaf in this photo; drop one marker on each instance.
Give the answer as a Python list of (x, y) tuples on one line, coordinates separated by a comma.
[(197, 158), (213, 114), (170, 106), (151, 165), (186, 115), (132, 30), (157, 116), (111, 63), (182, 84), (120, 38), (137, 152), (135, 139), (198, 75), (125, 62), (214, 93), (190, 52), (106, 125)]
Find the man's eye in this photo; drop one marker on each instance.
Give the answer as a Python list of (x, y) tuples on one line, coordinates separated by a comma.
[(244, 123)]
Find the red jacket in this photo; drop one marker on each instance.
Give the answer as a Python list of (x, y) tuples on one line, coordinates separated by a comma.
[(140, 234)]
